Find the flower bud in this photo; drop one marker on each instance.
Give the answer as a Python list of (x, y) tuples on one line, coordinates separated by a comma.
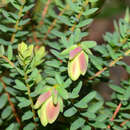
[(51, 105), (42, 98), (78, 63), (49, 112)]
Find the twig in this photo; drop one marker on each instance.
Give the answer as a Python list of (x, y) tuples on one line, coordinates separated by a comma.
[(116, 111), (110, 65), (11, 103), (6, 59), (16, 25), (35, 37), (11, 63), (42, 20), (30, 98), (124, 122), (55, 20), (44, 12), (79, 15)]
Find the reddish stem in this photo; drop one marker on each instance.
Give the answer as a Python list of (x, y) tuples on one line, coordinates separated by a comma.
[(123, 123), (11, 103), (114, 114), (116, 111), (45, 12)]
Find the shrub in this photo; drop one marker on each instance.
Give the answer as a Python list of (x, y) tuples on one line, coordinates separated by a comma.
[(47, 69)]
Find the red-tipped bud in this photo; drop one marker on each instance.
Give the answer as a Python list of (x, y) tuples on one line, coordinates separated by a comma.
[(78, 64), (51, 105)]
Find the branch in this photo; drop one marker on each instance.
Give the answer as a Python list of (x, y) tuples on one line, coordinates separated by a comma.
[(11, 103), (11, 63), (115, 113), (110, 65), (124, 122), (30, 98), (44, 12), (55, 20), (17, 23), (79, 15), (6, 59), (42, 20)]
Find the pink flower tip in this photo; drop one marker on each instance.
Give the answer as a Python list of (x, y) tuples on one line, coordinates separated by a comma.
[(41, 99), (74, 52), (51, 105), (78, 65), (49, 112)]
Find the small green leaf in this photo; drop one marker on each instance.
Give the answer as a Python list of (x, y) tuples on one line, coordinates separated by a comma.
[(35, 75), (110, 104), (75, 92), (125, 115), (93, 1), (117, 127), (127, 15), (21, 33), (23, 22), (127, 93), (56, 53), (13, 126), (20, 85), (10, 52), (77, 124), (30, 126), (7, 16), (86, 127), (117, 88), (11, 91), (26, 8), (2, 50), (96, 61), (128, 124), (83, 102), (23, 102), (3, 100), (65, 20), (84, 23), (63, 92), (90, 11), (3, 28), (58, 79), (88, 44), (111, 52), (57, 33), (102, 50), (64, 41), (77, 35), (15, 5), (95, 107), (67, 83), (6, 112), (102, 117), (66, 51), (90, 96), (27, 115), (89, 115), (100, 125), (70, 112), (53, 63), (50, 81)]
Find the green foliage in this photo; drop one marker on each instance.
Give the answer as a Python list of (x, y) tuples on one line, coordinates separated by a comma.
[(36, 38)]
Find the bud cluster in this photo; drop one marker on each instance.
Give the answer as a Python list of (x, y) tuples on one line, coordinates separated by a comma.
[(50, 105)]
